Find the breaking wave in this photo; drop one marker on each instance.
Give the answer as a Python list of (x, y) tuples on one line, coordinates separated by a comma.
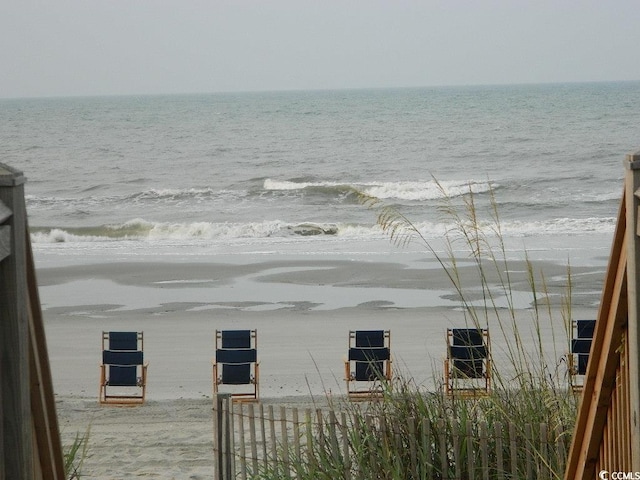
[(406, 190), (142, 230)]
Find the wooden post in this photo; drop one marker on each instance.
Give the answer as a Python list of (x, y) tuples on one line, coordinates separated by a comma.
[(17, 453), (284, 442), (252, 439), (243, 454), (632, 186), (223, 449), (5, 251)]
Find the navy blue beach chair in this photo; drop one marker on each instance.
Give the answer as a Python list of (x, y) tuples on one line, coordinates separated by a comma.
[(580, 348), (368, 365), (123, 373), (236, 364), (467, 368)]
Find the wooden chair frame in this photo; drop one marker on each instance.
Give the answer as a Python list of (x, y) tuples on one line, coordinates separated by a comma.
[(130, 358), (474, 378), (368, 366), (237, 349)]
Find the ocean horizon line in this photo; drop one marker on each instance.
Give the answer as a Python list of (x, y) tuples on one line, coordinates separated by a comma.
[(461, 86)]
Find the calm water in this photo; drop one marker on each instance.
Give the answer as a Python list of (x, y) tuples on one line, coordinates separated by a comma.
[(193, 172)]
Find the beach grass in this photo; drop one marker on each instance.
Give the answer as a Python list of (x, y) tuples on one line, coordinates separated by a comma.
[(75, 454), (410, 432), (529, 384)]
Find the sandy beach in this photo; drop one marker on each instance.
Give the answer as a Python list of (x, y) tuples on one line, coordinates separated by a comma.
[(302, 340)]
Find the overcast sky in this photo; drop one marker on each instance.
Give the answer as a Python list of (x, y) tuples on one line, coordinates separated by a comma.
[(105, 47)]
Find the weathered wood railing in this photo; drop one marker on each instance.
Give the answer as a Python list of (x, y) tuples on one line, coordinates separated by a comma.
[(29, 436), (607, 431), (254, 441)]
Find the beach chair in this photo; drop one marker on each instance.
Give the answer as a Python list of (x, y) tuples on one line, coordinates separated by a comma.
[(368, 365), (579, 356), (123, 373), (236, 364), (467, 368)]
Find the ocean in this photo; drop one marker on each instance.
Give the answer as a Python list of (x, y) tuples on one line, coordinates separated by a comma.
[(181, 214), (281, 172)]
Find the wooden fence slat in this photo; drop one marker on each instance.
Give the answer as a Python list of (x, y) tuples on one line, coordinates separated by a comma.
[(284, 440), (426, 461), (253, 440), (620, 419), (320, 427), (529, 442), (223, 438), (296, 440), (457, 468), (397, 437), (345, 446), (543, 461), (309, 431), (497, 432), (243, 451), (263, 431), (333, 436), (470, 452), (383, 436), (274, 443), (369, 423), (412, 447), (560, 449), (513, 450), (444, 462), (626, 406), (232, 436), (216, 439), (484, 450)]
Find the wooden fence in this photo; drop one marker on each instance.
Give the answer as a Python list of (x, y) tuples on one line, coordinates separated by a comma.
[(254, 441)]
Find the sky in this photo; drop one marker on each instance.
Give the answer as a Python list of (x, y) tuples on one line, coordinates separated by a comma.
[(122, 47)]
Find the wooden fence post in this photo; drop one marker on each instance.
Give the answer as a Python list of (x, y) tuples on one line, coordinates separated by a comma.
[(5, 251), (632, 181), (222, 438), (17, 442)]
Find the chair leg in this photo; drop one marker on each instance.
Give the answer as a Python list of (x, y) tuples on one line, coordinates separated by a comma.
[(256, 390), (101, 390), (215, 379), (447, 378), (347, 376), (144, 382)]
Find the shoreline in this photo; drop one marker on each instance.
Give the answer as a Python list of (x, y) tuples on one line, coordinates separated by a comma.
[(325, 284)]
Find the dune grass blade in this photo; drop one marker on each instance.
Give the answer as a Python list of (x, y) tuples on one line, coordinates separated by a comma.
[(74, 456)]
